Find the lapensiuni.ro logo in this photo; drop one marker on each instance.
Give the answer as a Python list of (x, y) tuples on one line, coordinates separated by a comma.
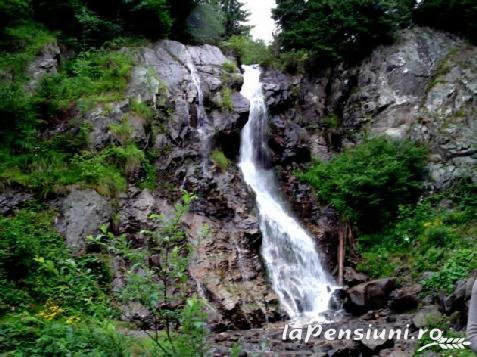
[(317, 331)]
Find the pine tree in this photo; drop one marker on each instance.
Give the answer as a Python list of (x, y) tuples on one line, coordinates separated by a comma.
[(235, 18)]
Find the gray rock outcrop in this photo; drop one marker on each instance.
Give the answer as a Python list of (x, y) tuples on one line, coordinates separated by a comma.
[(82, 212)]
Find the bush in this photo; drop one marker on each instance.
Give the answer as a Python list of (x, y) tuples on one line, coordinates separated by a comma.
[(457, 16), (459, 265), (339, 30), (35, 267), (248, 51), (367, 183), (33, 335), (93, 77), (426, 237)]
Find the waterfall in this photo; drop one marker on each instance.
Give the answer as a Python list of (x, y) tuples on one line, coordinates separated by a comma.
[(201, 114), (293, 264)]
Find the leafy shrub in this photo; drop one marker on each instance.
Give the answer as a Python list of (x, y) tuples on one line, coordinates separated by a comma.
[(367, 183), (457, 267), (36, 267), (31, 335), (226, 102), (161, 287), (220, 160), (339, 30), (457, 16), (229, 67), (92, 77), (248, 51), (425, 237)]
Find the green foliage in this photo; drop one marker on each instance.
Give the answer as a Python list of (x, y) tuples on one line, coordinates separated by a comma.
[(206, 24), (35, 267), (333, 30), (93, 77), (12, 10), (32, 335), (235, 18), (457, 16), (427, 237), (368, 182), (17, 112), (84, 23), (457, 267), (151, 284), (226, 102), (248, 51), (229, 67), (220, 160), (122, 131), (143, 110)]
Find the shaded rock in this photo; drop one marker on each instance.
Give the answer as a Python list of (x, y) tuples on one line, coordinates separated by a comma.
[(11, 200), (45, 63), (462, 293), (428, 315), (104, 118), (405, 299), (370, 295), (135, 210), (351, 277), (82, 212)]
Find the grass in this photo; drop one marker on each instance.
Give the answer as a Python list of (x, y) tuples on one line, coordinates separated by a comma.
[(93, 77), (220, 160), (23, 43), (226, 102)]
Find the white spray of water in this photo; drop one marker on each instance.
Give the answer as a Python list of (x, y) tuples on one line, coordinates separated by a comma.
[(297, 276)]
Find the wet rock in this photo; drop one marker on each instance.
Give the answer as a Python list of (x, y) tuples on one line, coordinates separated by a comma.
[(370, 295), (405, 299), (82, 212), (232, 281)]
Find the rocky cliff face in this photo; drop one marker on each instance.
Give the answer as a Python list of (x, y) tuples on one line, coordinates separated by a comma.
[(422, 87)]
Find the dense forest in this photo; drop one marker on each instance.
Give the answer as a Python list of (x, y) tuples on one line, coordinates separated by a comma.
[(55, 301)]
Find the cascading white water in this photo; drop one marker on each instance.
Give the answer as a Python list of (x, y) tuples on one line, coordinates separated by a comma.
[(297, 276), (201, 114)]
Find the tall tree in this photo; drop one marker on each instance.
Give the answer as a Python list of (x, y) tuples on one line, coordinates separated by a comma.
[(235, 18), (334, 30)]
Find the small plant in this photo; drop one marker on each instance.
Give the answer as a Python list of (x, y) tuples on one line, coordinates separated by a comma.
[(226, 102), (220, 160), (455, 268), (122, 131), (150, 284), (229, 67), (143, 110)]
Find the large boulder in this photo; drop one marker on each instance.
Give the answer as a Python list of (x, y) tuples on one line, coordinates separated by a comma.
[(368, 296), (405, 298), (82, 213)]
